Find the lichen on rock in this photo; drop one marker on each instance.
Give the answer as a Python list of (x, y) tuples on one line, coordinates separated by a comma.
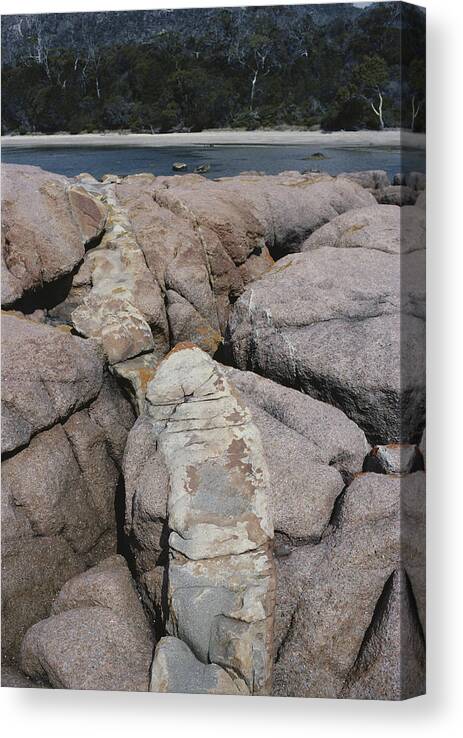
[(220, 578)]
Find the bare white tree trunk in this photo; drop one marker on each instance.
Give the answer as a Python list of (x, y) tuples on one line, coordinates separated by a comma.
[(379, 110), (46, 66), (40, 53), (415, 111), (253, 89)]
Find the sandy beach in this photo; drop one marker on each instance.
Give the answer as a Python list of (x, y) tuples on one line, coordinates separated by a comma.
[(389, 138)]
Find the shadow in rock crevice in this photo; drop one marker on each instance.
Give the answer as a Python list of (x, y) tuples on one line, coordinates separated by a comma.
[(123, 547), (46, 297)]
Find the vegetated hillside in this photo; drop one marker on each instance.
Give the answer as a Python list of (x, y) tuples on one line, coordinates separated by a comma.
[(338, 66)]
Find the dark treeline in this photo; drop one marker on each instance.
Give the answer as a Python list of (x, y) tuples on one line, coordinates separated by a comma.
[(157, 71)]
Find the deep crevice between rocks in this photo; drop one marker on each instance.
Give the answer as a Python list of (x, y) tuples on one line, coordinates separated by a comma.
[(45, 297), (379, 615)]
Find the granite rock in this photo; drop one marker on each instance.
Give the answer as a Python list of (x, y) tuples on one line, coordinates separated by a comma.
[(176, 669), (46, 375), (64, 439), (97, 638), (200, 444), (291, 205), (395, 195), (342, 604), (344, 325), (373, 179), (311, 449), (394, 459), (46, 224), (87, 648), (386, 228)]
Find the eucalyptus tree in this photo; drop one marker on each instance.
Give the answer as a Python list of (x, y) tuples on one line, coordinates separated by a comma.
[(371, 77), (416, 78)]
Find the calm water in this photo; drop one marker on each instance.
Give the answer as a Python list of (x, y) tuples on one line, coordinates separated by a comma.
[(223, 160)]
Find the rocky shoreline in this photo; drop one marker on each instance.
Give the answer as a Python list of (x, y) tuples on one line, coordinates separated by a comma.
[(213, 433)]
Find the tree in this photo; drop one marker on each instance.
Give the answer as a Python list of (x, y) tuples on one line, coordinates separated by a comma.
[(371, 76), (302, 39), (259, 61), (417, 84), (255, 51), (93, 58), (36, 41), (248, 66)]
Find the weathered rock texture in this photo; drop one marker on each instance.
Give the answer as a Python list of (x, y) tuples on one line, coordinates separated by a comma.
[(344, 321), (396, 195), (47, 375), (311, 449), (124, 308), (220, 232), (97, 636), (421, 200), (385, 228), (176, 669), (350, 614), (220, 457), (65, 426), (14, 678), (372, 179), (46, 224), (292, 205), (202, 443), (416, 180), (168, 255)]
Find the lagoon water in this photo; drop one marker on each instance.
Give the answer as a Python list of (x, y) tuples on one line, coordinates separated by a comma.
[(224, 160)]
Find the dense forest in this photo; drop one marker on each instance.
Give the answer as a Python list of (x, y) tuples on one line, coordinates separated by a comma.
[(338, 66)]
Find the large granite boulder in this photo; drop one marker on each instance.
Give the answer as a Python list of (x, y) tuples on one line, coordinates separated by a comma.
[(350, 612), (97, 636), (370, 179), (169, 255), (416, 180), (211, 206), (64, 437), (344, 322), (396, 195), (47, 222), (46, 376), (199, 451), (206, 240), (199, 243), (291, 206), (420, 201), (386, 228)]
